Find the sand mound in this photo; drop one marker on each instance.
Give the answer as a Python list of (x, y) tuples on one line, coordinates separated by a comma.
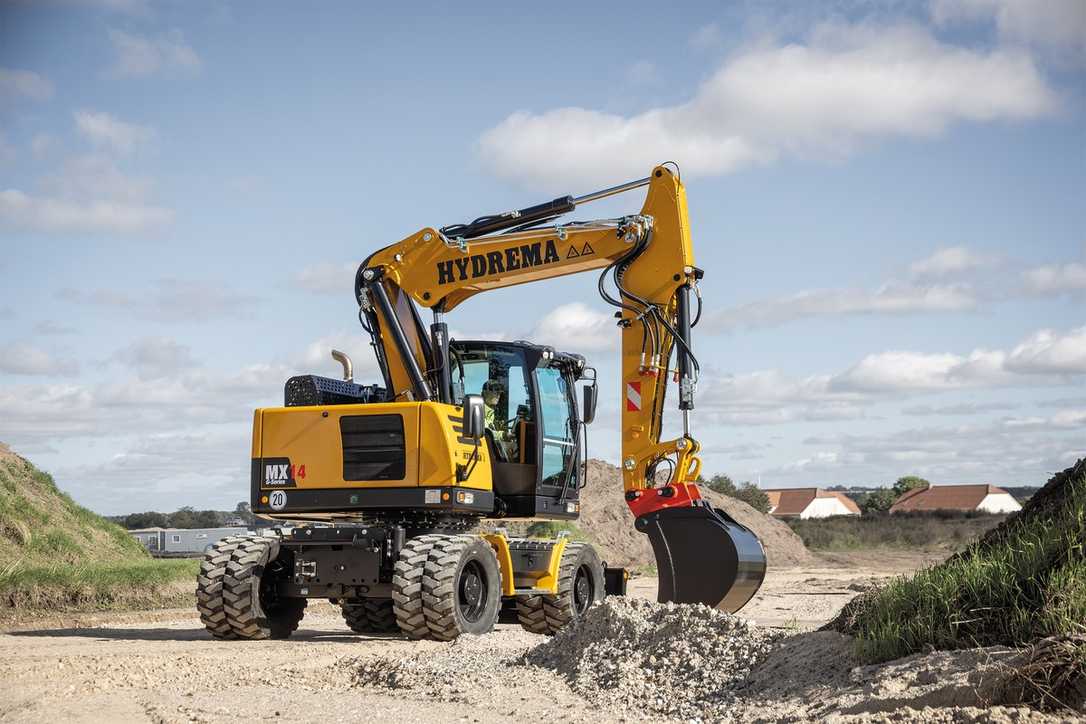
[(608, 522)]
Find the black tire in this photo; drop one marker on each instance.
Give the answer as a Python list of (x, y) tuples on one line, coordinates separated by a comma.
[(461, 591), (407, 586), (209, 600), (580, 584), (531, 616), (370, 616), (252, 605)]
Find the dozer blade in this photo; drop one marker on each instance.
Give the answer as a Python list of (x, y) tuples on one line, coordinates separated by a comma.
[(704, 556)]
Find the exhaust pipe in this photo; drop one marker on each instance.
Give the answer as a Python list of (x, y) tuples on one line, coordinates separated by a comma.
[(348, 367)]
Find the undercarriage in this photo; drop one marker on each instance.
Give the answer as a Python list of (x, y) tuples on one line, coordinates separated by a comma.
[(387, 578)]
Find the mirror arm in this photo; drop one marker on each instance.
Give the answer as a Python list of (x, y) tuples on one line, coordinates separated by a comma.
[(463, 472)]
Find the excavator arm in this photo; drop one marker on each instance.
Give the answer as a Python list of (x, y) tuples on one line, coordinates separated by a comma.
[(648, 273)]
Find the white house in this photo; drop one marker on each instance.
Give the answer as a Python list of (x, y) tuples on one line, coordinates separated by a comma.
[(981, 498), (809, 503)]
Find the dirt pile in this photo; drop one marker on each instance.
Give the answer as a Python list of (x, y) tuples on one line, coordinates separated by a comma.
[(607, 521), (56, 555), (674, 660), (41, 525)]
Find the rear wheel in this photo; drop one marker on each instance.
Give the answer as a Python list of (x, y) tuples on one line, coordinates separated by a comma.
[(253, 606), (370, 615), (461, 590)]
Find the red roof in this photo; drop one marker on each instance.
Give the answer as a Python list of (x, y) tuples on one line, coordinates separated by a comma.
[(944, 497), (786, 502)]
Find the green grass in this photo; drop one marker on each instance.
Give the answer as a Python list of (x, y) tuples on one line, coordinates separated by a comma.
[(1023, 581), (57, 555), (908, 531), (140, 584), (551, 529)]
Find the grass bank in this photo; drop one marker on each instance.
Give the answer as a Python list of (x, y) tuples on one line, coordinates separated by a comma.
[(56, 555), (908, 531), (1021, 582), (101, 586)]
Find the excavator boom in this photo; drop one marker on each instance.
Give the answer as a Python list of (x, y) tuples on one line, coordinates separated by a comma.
[(649, 275)]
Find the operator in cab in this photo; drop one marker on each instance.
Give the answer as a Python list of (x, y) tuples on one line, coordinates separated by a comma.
[(494, 420)]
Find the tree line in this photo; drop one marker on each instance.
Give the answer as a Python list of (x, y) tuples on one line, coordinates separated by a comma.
[(186, 517), (876, 500)]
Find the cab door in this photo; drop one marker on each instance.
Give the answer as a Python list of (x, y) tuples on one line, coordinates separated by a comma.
[(558, 451)]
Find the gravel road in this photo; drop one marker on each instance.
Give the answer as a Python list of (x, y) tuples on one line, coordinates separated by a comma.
[(162, 666)]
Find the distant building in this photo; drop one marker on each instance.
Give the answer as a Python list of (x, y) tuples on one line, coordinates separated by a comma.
[(964, 498), (149, 537), (178, 541), (809, 503)]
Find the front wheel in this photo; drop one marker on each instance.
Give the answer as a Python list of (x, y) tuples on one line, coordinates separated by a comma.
[(580, 584)]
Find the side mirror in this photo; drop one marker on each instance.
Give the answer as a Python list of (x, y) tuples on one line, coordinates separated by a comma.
[(588, 411), (474, 416)]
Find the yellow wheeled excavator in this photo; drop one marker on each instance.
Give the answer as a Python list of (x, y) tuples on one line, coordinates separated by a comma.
[(381, 488)]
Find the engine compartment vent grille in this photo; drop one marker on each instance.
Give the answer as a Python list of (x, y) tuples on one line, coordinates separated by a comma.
[(373, 447)]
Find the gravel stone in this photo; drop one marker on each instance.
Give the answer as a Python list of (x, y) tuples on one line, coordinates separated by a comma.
[(682, 661)]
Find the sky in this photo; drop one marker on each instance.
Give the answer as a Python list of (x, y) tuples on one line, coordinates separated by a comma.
[(886, 197)]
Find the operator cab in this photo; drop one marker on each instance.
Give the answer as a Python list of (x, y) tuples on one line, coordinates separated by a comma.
[(534, 432)]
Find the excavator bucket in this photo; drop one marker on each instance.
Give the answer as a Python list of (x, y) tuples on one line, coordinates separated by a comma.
[(704, 556)]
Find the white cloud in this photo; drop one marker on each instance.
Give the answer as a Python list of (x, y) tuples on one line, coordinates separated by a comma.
[(707, 37), (898, 371), (39, 213), (847, 84), (170, 300), (1059, 24), (140, 56), (575, 327), (107, 131), (1040, 358), (153, 358), (25, 84), (988, 453), (891, 298), (317, 356), (1056, 278), (1048, 352), (95, 176), (965, 408), (949, 261), (20, 358), (327, 278)]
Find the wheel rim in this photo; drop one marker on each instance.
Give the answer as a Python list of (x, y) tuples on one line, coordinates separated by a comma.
[(583, 590), (269, 590), (471, 593)]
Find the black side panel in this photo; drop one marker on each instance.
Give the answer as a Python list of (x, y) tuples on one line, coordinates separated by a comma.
[(538, 506), (513, 478), (373, 447)]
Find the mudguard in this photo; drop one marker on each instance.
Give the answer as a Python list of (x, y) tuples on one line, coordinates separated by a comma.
[(704, 556)]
